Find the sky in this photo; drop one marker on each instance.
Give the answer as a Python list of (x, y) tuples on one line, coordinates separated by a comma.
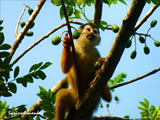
[(48, 19)]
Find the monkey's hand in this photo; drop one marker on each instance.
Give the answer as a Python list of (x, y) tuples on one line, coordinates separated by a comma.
[(66, 59), (66, 42)]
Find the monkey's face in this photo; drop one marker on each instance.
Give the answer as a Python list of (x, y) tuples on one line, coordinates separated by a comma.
[(89, 36)]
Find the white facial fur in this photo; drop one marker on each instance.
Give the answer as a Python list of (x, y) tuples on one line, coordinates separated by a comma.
[(89, 37)]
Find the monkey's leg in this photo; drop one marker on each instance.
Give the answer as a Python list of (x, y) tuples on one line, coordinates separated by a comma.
[(65, 100)]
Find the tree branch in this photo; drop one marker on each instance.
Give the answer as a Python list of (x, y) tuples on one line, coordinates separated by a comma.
[(94, 92), (98, 12), (25, 29), (41, 39), (139, 24), (136, 79), (16, 31)]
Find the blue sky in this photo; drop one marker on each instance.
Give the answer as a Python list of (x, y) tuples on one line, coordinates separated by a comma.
[(48, 19)]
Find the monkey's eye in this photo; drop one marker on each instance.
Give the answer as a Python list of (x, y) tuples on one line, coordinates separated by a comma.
[(88, 29), (95, 31)]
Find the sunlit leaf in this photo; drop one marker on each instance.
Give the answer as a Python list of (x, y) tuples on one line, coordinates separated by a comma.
[(56, 2)]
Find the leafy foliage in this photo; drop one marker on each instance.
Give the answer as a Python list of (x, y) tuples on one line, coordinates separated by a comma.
[(35, 72), (75, 8), (117, 80), (110, 2), (149, 111), (5, 111), (156, 2), (47, 102)]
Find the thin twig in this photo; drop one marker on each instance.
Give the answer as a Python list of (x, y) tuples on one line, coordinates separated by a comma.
[(16, 31), (75, 65), (138, 25), (68, 25), (136, 79), (25, 29), (40, 40)]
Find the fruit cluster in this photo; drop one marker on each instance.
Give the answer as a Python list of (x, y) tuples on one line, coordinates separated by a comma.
[(57, 39), (22, 24), (142, 39)]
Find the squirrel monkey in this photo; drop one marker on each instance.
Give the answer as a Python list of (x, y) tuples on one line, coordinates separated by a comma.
[(86, 57)]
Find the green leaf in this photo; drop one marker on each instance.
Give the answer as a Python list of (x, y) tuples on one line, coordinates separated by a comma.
[(61, 13), (24, 82), (21, 108), (69, 10), (146, 102), (48, 114), (41, 74), (42, 90), (56, 2), (47, 64), (151, 108), (12, 87), (77, 13), (1, 38), (35, 66), (1, 21), (154, 114), (114, 1), (1, 28), (70, 2), (148, 1), (144, 114), (19, 80), (34, 75), (122, 1), (7, 94), (47, 107), (103, 23), (142, 108), (29, 78), (5, 47), (4, 54), (16, 71), (156, 2), (79, 2)]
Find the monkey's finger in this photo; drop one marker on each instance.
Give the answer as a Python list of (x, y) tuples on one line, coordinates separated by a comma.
[(66, 43)]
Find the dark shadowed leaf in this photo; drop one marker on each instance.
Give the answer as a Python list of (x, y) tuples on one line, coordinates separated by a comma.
[(47, 64), (16, 71), (41, 74), (12, 87), (5, 47)]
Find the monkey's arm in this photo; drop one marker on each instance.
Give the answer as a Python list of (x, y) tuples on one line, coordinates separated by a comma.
[(66, 58)]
